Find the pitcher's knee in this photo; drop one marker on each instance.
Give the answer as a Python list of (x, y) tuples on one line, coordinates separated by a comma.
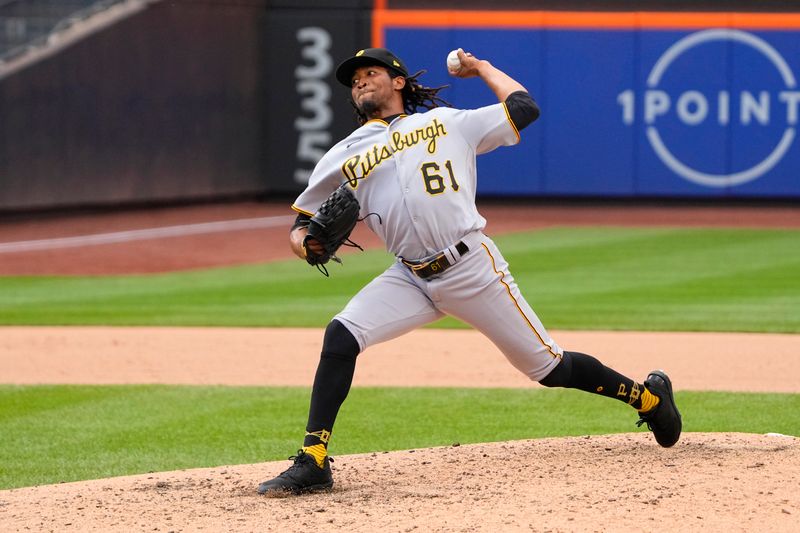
[(339, 343), (561, 375)]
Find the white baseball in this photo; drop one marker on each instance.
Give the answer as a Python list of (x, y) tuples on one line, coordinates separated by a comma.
[(453, 63)]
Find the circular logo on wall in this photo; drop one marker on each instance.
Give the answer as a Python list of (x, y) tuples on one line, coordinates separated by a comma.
[(744, 108)]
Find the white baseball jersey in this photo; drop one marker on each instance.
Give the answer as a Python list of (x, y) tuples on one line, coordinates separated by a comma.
[(418, 174)]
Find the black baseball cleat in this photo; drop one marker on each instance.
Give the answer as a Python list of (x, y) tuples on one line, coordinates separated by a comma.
[(303, 476), (664, 420)]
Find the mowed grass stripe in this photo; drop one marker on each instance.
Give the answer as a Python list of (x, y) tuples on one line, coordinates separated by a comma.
[(50, 434), (575, 278)]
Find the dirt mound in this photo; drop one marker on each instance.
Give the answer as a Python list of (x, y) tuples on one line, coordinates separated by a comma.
[(738, 482)]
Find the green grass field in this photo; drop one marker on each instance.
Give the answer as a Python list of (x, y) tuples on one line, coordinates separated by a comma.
[(598, 278), (66, 433)]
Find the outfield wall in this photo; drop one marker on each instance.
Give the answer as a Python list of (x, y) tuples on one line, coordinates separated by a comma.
[(633, 104), (186, 100), (164, 105), (192, 99)]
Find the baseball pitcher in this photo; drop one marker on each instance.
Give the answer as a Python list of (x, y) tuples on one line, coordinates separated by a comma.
[(409, 172)]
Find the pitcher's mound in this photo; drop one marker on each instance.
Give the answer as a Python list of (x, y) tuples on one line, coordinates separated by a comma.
[(721, 481)]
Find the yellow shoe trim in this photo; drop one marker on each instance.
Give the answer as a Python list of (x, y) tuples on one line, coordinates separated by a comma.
[(649, 401), (318, 452)]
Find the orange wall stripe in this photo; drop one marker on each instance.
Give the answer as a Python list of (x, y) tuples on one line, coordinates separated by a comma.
[(378, 6), (398, 18)]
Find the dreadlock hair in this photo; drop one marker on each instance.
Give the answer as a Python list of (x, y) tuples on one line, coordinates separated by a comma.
[(415, 96)]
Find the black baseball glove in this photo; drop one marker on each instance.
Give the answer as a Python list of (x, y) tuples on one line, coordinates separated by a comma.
[(331, 226)]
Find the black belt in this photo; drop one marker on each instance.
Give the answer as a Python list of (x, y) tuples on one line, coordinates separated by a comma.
[(432, 267)]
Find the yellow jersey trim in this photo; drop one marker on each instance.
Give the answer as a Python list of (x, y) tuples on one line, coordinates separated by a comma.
[(516, 304), (402, 115), (301, 211), (508, 116)]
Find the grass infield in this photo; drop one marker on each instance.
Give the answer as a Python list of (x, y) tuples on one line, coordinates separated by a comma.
[(66, 433)]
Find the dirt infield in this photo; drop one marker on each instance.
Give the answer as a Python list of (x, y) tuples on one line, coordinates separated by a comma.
[(731, 482), (709, 482), (275, 357)]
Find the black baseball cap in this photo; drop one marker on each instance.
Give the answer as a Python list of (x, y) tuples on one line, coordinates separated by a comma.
[(366, 57)]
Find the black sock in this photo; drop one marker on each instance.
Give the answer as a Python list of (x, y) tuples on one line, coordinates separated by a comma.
[(580, 371), (332, 382)]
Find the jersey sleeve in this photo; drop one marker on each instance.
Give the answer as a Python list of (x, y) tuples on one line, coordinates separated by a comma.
[(487, 128), (522, 109), (323, 181)]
